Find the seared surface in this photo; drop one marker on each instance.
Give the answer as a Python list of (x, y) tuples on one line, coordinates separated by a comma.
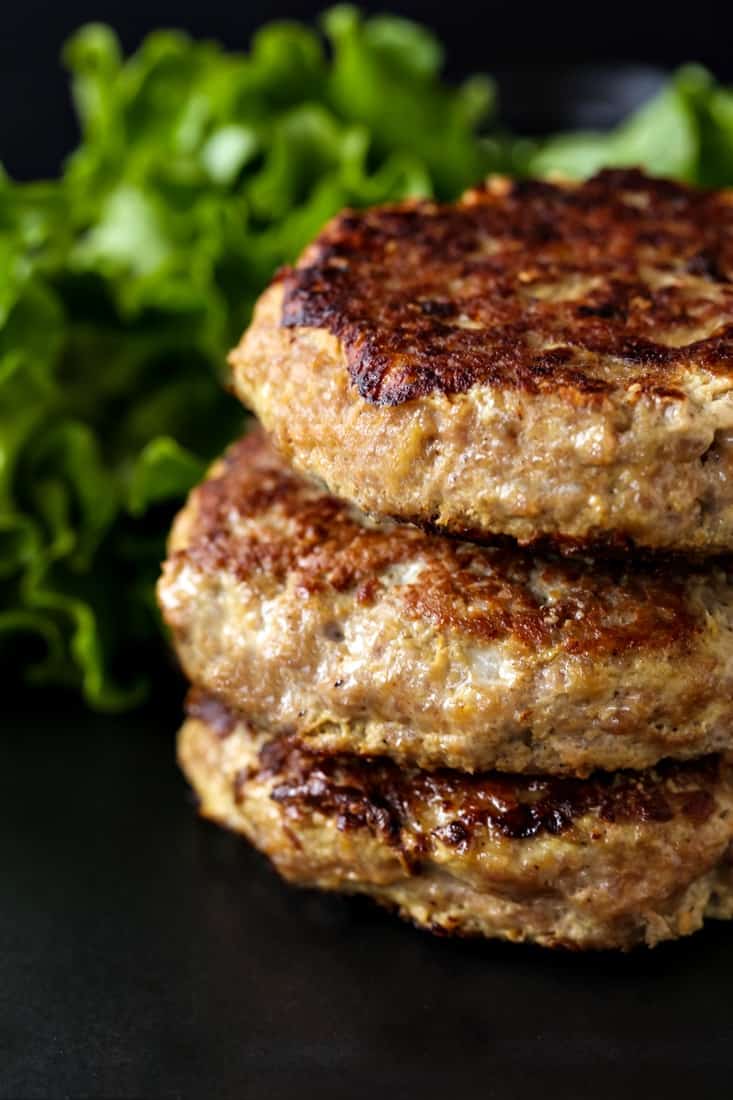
[(379, 638), (535, 360), (604, 862), (615, 283)]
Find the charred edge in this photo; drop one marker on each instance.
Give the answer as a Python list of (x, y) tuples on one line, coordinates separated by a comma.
[(377, 795), (540, 234)]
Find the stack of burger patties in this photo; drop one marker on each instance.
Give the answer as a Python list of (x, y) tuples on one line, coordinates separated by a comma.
[(460, 625)]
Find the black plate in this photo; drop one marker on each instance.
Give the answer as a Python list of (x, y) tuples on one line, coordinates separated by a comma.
[(147, 954)]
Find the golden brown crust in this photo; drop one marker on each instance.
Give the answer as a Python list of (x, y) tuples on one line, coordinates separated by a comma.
[(483, 592), (326, 545), (537, 361), (616, 283), (376, 637), (607, 862), (375, 794)]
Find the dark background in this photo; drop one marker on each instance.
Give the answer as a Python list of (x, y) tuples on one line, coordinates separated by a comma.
[(527, 44), (145, 954)]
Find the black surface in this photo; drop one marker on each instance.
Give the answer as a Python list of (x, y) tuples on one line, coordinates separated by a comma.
[(147, 954)]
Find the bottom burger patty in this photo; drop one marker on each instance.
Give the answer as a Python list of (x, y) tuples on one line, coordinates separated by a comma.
[(609, 861)]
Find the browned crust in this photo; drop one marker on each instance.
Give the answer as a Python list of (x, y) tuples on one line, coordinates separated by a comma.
[(605, 608), (611, 862), (377, 795), (612, 272)]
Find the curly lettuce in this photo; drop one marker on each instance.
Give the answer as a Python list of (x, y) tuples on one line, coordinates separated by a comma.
[(124, 282)]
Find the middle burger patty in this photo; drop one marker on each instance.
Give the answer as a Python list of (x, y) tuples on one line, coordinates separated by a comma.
[(380, 639)]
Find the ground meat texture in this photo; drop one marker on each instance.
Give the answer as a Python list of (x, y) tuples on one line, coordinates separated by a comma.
[(540, 360), (610, 861), (378, 638)]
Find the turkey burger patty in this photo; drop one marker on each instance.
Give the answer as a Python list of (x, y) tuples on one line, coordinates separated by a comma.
[(538, 359), (377, 638)]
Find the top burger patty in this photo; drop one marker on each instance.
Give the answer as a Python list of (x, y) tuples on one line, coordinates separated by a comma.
[(537, 359)]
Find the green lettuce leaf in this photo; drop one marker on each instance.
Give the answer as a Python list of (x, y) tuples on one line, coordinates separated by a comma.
[(124, 282), (685, 132)]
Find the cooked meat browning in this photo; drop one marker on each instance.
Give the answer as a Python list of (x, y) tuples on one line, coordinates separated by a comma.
[(536, 360), (622, 268), (377, 638), (609, 861)]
